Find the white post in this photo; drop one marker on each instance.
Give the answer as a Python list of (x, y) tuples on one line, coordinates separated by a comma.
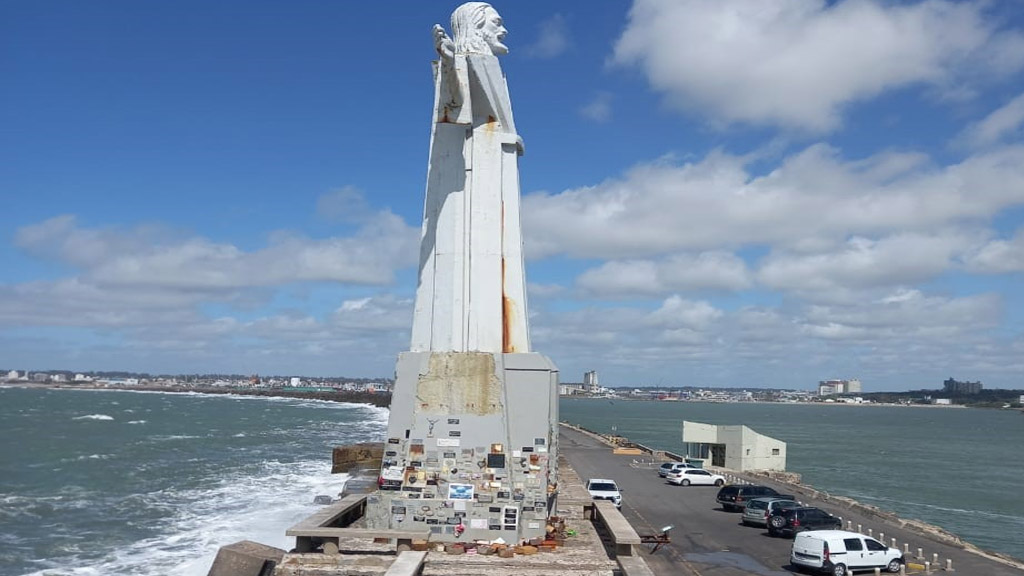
[(920, 554), (949, 565), (906, 547), (935, 559), (881, 537), (927, 567), (870, 533), (859, 529)]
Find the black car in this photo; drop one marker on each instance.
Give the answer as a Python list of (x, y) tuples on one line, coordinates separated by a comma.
[(735, 496), (789, 521)]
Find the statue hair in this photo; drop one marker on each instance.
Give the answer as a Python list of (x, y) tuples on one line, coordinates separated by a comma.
[(467, 20)]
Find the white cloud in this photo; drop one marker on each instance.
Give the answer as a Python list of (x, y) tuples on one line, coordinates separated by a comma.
[(863, 263), (1002, 124), (599, 109), (998, 256), (552, 40), (139, 257), (345, 204), (814, 201), (798, 64), (635, 278)]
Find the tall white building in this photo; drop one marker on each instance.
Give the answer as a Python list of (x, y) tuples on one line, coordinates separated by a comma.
[(590, 382), (830, 387)]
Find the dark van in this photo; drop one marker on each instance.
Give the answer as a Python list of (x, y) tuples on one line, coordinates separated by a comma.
[(734, 497)]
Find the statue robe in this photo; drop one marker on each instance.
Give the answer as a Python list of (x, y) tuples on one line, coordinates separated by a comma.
[(471, 295)]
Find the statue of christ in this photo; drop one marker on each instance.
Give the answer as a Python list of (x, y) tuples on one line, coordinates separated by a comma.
[(471, 295)]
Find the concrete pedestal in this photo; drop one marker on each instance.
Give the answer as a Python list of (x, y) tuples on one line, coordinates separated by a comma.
[(455, 461)]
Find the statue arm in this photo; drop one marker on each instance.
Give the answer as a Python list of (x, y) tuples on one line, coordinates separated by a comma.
[(447, 75)]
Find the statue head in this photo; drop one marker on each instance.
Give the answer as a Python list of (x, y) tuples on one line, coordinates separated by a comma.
[(478, 29)]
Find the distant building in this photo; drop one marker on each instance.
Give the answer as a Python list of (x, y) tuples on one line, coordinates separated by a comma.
[(832, 387), (590, 382), (956, 387), (13, 375), (295, 382), (570, 389)]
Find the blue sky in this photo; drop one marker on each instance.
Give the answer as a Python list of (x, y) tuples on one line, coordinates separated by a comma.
[(761, 193)]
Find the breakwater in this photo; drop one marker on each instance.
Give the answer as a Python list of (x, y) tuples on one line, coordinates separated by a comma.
[(889, 457)]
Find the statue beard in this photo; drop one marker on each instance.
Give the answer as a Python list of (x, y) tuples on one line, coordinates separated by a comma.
[(494, 45)]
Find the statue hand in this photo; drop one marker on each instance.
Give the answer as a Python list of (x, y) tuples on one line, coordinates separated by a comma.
[(443, 44)]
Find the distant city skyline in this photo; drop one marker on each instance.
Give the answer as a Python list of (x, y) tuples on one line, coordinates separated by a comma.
[(733, 193)]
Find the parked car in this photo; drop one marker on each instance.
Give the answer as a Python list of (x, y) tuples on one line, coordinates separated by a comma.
[(759, 509), (695, 476), (789, 521), (604, 489), (838, 552), (669, 467), (735, 497)]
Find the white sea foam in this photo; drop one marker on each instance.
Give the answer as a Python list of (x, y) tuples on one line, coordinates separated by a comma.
[(94, 417), (258, 507), (136, 421)]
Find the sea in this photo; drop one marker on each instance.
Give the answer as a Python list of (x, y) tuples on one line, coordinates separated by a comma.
[(961, 469), (140, 483), (115, 482)]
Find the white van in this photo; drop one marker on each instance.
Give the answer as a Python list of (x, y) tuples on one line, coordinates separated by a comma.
[(838, 552)]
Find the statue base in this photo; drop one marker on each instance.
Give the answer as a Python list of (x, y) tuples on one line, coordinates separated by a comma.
[(471, 452)]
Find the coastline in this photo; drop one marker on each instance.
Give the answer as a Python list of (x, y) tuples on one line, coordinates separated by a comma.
[(380, 399)]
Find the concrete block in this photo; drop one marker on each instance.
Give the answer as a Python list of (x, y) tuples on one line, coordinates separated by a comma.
[(246, 558)]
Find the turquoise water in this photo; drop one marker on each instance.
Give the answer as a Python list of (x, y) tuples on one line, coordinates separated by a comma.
[(960, 469), (106, 483)]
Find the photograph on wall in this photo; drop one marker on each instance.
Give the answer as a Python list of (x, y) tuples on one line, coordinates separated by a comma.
[(460, 491)]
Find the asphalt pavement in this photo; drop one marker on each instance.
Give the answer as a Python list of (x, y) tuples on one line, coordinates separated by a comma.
[(708, 541)]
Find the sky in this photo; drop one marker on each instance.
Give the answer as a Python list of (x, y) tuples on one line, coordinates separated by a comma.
[(715, 193)]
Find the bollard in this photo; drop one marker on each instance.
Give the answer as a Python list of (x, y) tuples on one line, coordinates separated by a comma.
[(878, 571), (894, 544), (849, 525), (881, 537), (903, 570), (859, 529), (870, 533), (920, 554), (906, 547), (927, 567), (949, 565), (935, 560)]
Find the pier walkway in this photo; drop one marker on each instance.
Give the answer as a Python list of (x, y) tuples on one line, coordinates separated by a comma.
[(709, 541)]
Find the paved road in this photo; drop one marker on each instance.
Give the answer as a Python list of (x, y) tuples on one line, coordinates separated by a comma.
[(708, 541)]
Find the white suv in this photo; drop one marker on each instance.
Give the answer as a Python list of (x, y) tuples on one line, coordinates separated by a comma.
[(838, 552), (603, 489)]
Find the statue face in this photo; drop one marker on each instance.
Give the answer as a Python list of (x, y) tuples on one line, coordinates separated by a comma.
[(494, 31)]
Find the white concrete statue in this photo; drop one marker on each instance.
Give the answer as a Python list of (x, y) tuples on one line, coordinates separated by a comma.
[(471, 295)]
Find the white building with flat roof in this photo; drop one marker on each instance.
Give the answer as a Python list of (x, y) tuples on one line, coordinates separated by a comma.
[(735, 447)]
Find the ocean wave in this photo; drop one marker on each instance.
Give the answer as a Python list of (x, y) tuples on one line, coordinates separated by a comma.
[(136, 421), (94, 417), (258, 504)]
